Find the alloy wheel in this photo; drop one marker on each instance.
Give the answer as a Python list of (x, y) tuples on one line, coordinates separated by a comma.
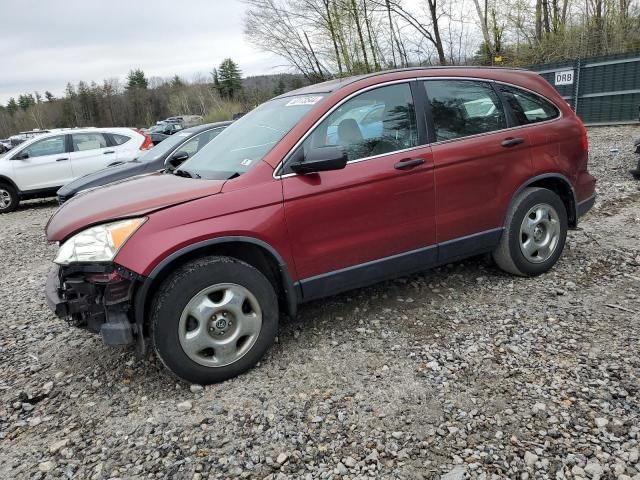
[(539, 233), (5, 199), (220, 324)]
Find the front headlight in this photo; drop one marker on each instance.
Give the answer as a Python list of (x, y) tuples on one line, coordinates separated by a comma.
[(99, 243)]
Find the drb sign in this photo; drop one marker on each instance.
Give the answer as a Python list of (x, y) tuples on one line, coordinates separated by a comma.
[(564, 78)]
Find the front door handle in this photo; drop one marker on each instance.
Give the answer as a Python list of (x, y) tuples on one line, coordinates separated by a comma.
[(408, 163), (512, 142), (62, 159), (110, 151)]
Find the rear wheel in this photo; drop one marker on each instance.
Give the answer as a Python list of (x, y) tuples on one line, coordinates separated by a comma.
[(8, 198), (535, 233), (213, 319)]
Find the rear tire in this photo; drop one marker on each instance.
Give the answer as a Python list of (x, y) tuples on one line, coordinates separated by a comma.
[(9, 199), (213, 319), (534, 235)]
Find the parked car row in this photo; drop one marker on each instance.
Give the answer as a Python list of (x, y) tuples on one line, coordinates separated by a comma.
[(170, 154), (164, 128), (321, 190), (40, 166)]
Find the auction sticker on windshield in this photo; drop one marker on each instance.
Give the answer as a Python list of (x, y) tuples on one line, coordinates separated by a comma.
[(306, 100)]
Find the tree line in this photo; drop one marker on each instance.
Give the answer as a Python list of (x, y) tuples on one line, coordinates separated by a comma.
[(140, 101), (325, 38)]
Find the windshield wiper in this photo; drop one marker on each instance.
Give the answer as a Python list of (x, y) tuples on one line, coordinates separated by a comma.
[(184, 173)]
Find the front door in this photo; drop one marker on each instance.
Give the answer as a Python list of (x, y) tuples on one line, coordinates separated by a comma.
[(43, 164), (376, 216)]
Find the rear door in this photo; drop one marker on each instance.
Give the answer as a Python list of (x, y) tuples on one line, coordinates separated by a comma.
[(126, 144), (46, 164), (478, 158), (90, 151), (347, 227)]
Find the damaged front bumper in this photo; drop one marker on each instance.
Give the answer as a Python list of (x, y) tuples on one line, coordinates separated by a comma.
[(95, 297)]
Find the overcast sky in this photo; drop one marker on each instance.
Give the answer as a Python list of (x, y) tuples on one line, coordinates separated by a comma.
[(46, 43)]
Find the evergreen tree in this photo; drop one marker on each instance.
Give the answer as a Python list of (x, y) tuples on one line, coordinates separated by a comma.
[(25, 101), (49, 96), (216, 80), (12, 106), (230, 78), (176, 82), (136, 79), (280, 87)]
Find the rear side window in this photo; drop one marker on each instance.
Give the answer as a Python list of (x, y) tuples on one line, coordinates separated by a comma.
[(88, 141), (528, 107), (461, 108), (120, 139)]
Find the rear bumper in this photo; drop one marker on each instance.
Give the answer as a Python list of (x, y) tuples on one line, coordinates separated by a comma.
[(584, 206), (97, 298)]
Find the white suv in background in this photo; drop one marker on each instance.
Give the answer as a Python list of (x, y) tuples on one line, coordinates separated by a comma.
[(41, 165)]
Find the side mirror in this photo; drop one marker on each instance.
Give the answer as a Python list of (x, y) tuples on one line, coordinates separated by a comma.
[(21, 156), (175, 160), (321, 159)]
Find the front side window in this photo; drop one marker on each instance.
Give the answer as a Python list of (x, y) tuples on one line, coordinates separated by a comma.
[(88, 141), (461, 108), (373, 123), (528, 107), (47, 146), (246, 141)]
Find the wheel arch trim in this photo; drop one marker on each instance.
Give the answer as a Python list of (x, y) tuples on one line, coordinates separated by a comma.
[(7, 180), (291, 294), (545, 176)]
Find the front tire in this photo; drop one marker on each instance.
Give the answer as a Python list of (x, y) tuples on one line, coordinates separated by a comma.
[(213, 319), (534, 235), (8, 198)]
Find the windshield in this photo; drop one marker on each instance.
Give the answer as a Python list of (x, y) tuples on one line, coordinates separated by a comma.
[(165, 146), (244, 143)]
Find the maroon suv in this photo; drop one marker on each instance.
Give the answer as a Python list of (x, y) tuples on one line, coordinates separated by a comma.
[(324, 189)]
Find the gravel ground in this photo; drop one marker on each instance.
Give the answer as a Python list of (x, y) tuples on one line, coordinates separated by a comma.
[(460, 372)]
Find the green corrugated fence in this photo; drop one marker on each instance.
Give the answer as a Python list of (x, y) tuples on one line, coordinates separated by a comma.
[(603, 90)]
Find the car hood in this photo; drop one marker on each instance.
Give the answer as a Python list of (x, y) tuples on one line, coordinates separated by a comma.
[(129, 198), (105, 176)]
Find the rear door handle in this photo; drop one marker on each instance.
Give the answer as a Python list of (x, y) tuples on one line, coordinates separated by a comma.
[(408, 163), (62, 159), (110, 151), (512, 142)]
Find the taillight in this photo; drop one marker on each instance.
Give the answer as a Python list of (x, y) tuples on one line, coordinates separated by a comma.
[(148, 143)]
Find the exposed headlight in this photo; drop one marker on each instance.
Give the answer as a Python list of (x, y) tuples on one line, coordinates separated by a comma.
[(99, 243)]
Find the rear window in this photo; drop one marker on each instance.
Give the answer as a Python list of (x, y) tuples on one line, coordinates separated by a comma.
[(119, 139), (528, 107)]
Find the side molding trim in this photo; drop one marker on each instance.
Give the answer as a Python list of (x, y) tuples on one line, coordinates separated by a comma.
[(368, 273)]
